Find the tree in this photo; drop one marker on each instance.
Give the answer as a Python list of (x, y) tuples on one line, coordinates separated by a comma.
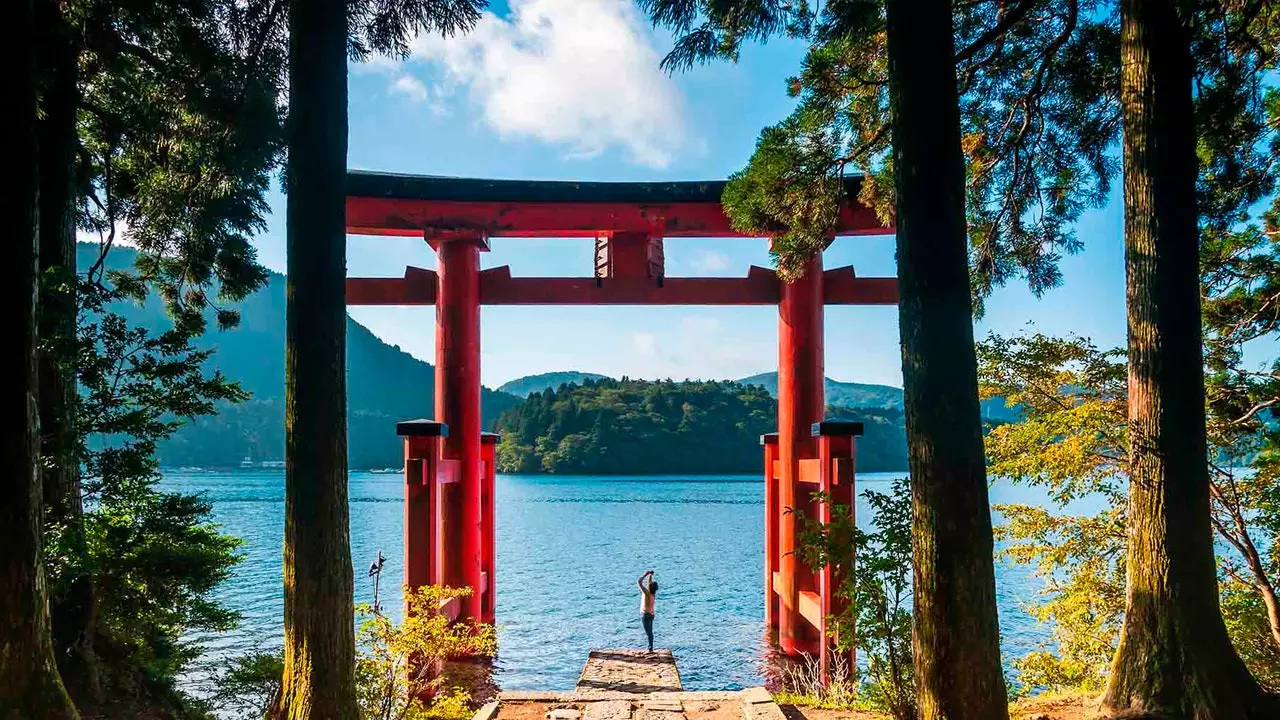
[(1174, 657), (875, 619), (319, 658), (154, 557), (955, 624), (156, 121), (1072, 441), (29, 682), (73, 605), (395, 670), (1034, 114)]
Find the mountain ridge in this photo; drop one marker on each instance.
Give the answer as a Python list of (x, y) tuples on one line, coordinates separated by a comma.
[(384, 383), (850, 395)]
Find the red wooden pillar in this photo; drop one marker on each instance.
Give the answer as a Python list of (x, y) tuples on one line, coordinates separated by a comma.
[(458, 405), (770, 443), (489, 597), (421, 455), (800, 405), (835, 453)]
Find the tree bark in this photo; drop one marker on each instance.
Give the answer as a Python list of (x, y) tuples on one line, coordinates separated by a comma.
[(29, 683), (956, 632), (73, 607), (1174, 659), (319, 660)]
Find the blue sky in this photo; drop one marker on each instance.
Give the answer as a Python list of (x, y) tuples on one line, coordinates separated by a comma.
[(571, 89)]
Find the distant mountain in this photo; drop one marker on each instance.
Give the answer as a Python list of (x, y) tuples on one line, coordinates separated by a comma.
[(846, 394), (529, 384), (384, 385), (860, 395)]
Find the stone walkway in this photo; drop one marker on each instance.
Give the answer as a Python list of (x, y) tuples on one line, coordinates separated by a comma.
[(631, 685), (753, 704), (633, 671)]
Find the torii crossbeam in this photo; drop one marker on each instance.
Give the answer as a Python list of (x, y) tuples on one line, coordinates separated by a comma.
[(449, 461)]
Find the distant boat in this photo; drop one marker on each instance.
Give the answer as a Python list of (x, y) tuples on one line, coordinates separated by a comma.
[(273, 464), (246, 464), (387, 471)]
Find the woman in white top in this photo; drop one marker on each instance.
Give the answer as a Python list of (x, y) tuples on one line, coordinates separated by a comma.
[(647, 592)]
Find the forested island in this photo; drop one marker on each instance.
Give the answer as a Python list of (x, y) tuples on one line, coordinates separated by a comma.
[(643, 427)]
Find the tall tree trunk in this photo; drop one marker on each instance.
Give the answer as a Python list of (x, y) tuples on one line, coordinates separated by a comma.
[(29, 683), (1174, 658), (319, 672), (956, 633), (73, 607)]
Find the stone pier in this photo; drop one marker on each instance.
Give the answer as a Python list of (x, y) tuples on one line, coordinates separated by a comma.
[(630, 671)]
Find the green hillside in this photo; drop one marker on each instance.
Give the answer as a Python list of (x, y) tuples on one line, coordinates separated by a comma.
[(860, 395), (643, 427), (529, 384), (384, 384)]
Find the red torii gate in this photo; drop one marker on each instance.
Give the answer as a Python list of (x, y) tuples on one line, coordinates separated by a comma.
[(449, 532)]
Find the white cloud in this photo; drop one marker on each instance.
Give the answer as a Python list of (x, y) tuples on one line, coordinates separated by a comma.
[(710, 261), (645, 344), (578, 73), (411, 87)]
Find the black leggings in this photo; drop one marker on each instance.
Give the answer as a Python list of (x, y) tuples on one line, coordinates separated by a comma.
[(647, 620)]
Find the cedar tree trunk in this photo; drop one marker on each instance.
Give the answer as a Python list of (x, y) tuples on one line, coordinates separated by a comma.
[(1174, 658), (73, 607), (319, 660), (956, 633), (29, 683)]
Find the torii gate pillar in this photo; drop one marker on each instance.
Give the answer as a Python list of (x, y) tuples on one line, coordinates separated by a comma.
[(801, 403), (458, 406)]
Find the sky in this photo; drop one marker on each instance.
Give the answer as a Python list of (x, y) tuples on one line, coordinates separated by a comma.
[(572, 90)]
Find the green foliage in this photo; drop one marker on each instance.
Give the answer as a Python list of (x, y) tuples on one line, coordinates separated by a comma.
[(877, 618), (1250, 632), (1073, 444), (248, 685), (1039, 86), (181, 126), (636, 426), (154, 557), (394, 669)]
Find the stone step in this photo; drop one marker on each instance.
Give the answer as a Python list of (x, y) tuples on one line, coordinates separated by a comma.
[(631, 671)]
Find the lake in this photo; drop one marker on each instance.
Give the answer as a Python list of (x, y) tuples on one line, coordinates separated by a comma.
[(569, 550)]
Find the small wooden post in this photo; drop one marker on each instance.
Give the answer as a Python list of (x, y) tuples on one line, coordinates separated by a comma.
[(835, 452), (421, 507), (488, 555), (770, 443)]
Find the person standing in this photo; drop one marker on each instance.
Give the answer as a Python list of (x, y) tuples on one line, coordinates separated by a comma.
[(648, 591)]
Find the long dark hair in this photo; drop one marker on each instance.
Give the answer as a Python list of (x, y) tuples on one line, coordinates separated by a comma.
[(653, 587)]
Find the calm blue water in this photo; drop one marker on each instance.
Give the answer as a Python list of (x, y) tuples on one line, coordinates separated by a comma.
[(569, 550)]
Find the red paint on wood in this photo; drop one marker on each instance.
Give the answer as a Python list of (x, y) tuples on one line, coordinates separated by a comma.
[(800, 404), (419, 510), (810, 472), (498, 287), (458, 405), (410, 217), (770, 532), (488, 599)]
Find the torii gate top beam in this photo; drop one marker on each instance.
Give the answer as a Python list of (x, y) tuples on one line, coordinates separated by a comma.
[(414, 205)]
